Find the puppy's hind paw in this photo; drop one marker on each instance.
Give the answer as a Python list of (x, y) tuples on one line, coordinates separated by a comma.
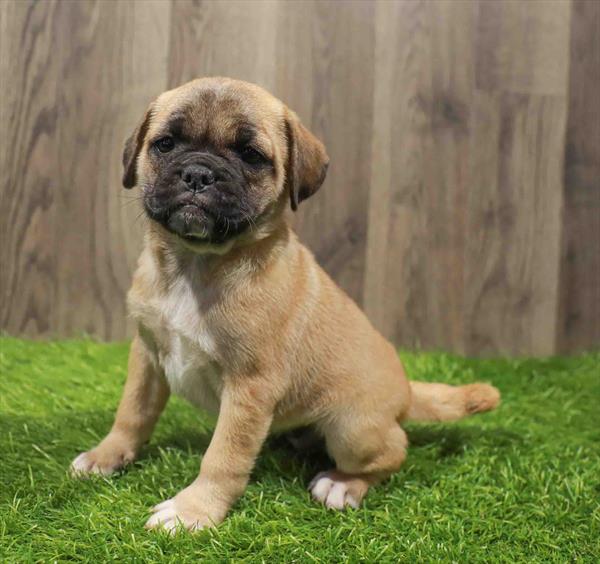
[(337, 490)]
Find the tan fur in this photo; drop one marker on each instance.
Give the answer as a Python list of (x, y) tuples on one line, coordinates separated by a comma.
[(259, 334), (440, 402)]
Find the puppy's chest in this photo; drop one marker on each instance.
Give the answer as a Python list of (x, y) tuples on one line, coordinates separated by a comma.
[(185, 347)]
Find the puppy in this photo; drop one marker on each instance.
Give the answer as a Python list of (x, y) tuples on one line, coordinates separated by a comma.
[(234, 314)]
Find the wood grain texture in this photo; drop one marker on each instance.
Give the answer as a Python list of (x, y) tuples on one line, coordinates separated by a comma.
[(325, 73), (514, 228), (515, 195), (234, 38), (79, 74), (462, 205), (579, 323), (523, 46), (29, 121), (419, 166), (103, 77)]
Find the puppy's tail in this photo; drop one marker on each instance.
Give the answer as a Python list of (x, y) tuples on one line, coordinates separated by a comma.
[(441, 402)]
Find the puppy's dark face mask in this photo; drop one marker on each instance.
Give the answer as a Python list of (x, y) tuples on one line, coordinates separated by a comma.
[(215, 157), (207, 189)]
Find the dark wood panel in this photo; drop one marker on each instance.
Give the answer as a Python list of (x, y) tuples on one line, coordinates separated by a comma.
[(522, 46), (579, 326), (514, 228), (419, 169), (515, 195), (325, 73), (234, 38), (77, 77), (110, 70), (28, 154)]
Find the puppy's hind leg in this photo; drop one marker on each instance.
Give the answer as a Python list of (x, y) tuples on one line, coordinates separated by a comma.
[(144, 398), (365, 453)]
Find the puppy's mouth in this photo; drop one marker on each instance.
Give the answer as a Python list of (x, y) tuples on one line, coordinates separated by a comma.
[(191, 221), (196, 222)]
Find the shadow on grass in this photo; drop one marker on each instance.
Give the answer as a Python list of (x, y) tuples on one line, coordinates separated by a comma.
[(62, 436), (281, 457), (452, 440)]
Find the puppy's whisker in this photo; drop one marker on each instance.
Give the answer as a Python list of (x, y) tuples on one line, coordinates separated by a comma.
[(250, 221), (128, 203), (247, 216), (141, 215)]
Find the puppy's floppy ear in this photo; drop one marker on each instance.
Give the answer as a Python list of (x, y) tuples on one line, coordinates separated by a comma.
[(307, 161), (132, 149)]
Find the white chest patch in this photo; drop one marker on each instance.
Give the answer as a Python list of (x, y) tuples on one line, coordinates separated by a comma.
[(191, 373), (185, 347)]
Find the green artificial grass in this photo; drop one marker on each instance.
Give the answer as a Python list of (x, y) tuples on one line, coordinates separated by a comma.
[(521, 484)]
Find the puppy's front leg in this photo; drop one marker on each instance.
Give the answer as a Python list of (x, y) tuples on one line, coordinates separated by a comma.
[(144, 398), (244, 419)]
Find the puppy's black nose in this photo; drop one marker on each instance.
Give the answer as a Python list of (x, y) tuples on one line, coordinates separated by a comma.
[(197, 177)]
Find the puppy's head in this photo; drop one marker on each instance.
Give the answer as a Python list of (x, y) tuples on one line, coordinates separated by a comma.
[(218, 158)]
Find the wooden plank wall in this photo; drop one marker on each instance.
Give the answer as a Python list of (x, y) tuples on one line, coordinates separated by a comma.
[(462, 207)]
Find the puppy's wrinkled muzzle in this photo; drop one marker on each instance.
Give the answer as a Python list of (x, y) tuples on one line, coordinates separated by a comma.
[(199, 196)]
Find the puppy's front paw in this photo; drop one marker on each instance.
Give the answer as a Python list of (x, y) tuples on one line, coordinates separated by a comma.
[(338, 490), (108, 457), (185, 510)]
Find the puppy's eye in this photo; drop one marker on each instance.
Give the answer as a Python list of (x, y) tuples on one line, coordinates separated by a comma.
[(165, 144), (251, 156)]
